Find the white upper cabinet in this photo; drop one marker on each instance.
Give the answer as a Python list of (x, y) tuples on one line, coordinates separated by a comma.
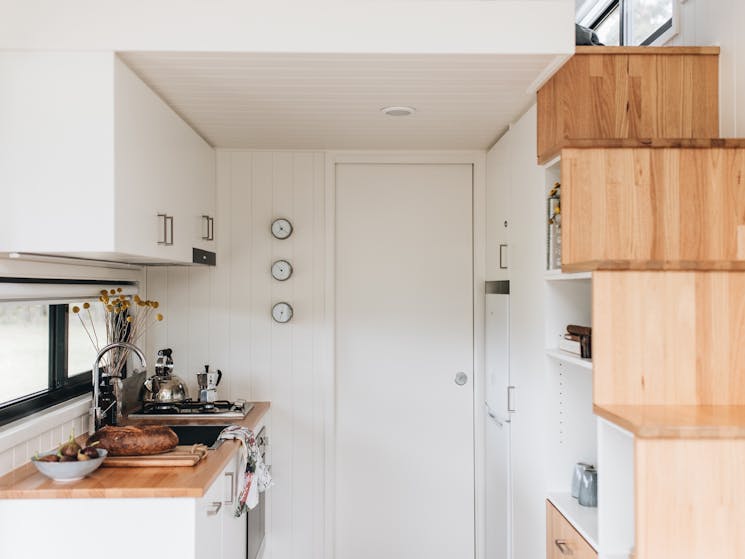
[(498, 186), (94, 164)]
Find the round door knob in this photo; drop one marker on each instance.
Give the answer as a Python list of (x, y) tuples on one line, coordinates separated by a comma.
[(461, 378)]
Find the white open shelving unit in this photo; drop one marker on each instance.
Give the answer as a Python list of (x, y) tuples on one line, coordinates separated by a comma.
[(573, 428), (575, 433)]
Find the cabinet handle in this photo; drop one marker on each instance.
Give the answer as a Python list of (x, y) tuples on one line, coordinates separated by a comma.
[(214, 508), (210, 221), (169, 219), (165, 230), (231, 491), (510, 392), (502, 257), (564, 549)]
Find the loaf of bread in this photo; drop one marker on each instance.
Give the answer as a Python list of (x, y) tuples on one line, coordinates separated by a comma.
[(134, 441)]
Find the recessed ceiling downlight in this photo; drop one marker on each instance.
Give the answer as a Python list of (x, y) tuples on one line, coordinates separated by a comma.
[(398, 111)]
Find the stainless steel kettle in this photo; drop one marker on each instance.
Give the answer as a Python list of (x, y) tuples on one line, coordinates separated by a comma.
[(164, 387)]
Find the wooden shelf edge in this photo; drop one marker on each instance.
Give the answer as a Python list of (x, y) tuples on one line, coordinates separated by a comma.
[(647, 50), (554, 153), (583, 519), (654, 265), (677, 422)]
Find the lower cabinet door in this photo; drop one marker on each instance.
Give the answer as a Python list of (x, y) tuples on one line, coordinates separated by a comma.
[(562, 540), (234, 529), (209, 541)]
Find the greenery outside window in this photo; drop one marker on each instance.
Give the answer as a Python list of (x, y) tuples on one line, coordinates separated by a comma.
[(45, 355)]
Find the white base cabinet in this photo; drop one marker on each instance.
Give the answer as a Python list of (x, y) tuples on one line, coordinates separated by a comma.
[(94, 164), (186, 528)]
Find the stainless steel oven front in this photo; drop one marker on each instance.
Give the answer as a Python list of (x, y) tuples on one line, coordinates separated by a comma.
[(257, 516)]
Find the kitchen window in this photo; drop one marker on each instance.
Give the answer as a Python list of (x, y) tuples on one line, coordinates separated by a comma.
[(632, 22), (45, 354)]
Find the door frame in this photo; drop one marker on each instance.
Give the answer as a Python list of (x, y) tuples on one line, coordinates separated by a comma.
[(477, 159)]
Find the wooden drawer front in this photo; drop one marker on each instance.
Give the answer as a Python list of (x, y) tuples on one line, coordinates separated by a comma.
[(562, 540), (653, 208), (625, 95)]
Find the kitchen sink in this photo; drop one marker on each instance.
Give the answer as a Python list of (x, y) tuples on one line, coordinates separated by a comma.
[(199, 434)]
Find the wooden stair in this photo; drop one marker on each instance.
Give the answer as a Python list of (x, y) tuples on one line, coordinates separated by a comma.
[(661, 224)]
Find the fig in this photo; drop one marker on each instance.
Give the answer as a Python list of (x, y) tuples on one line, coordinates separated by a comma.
[(82, 456), (48, 458), (70, 448), (64, 458), (90, 452)]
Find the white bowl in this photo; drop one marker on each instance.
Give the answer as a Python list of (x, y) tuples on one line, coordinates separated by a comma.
[(69, 471)]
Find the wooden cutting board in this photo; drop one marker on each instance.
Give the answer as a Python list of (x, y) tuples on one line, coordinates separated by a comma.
[(180, 456)]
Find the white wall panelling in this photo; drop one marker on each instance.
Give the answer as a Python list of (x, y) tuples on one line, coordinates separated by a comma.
[(221, 316)]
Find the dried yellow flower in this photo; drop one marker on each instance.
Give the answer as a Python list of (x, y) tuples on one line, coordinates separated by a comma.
[(110, 308), (76, 309), (112, 292), (129, 319), (159, 317), (118, 289), (156, 304), (137, 298), (104, 292), (86, 305)]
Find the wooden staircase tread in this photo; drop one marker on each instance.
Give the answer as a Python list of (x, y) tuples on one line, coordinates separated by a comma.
[(654, 143), (677, 422)]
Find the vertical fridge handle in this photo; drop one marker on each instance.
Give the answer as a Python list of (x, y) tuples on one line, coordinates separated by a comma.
[(510, 402), (502, 257)]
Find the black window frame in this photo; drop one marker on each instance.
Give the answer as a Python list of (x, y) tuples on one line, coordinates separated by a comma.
[(60, 387), (621, 5)]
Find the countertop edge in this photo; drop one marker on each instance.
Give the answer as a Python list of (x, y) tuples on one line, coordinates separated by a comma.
[(26, 483)]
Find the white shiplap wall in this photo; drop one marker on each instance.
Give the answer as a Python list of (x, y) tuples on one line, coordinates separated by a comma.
[(21, 440), (221, 316)]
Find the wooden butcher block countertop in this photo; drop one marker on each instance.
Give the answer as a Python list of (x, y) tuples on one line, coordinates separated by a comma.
[(26, 482)]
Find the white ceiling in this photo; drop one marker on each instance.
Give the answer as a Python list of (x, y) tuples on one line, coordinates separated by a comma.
[(333, 101)]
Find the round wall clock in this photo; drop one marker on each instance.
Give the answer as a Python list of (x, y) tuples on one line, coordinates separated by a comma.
[(281, 270), (282, 312), (281, 228)]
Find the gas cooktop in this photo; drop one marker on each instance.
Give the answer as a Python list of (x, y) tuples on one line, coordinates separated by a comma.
[(219, 408)]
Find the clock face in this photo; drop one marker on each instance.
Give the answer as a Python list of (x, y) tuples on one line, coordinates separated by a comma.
[(282, 312), (281, 270), (281, 228)]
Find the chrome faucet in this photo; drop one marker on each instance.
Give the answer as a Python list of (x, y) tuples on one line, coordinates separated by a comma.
[(96, 414)]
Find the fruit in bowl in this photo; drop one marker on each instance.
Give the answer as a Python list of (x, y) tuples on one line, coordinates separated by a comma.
[(70, 461)]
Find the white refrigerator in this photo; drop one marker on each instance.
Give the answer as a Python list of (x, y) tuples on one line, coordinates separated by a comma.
[(497, 429)]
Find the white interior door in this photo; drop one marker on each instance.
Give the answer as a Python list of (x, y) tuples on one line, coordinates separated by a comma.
[(404, 329)]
